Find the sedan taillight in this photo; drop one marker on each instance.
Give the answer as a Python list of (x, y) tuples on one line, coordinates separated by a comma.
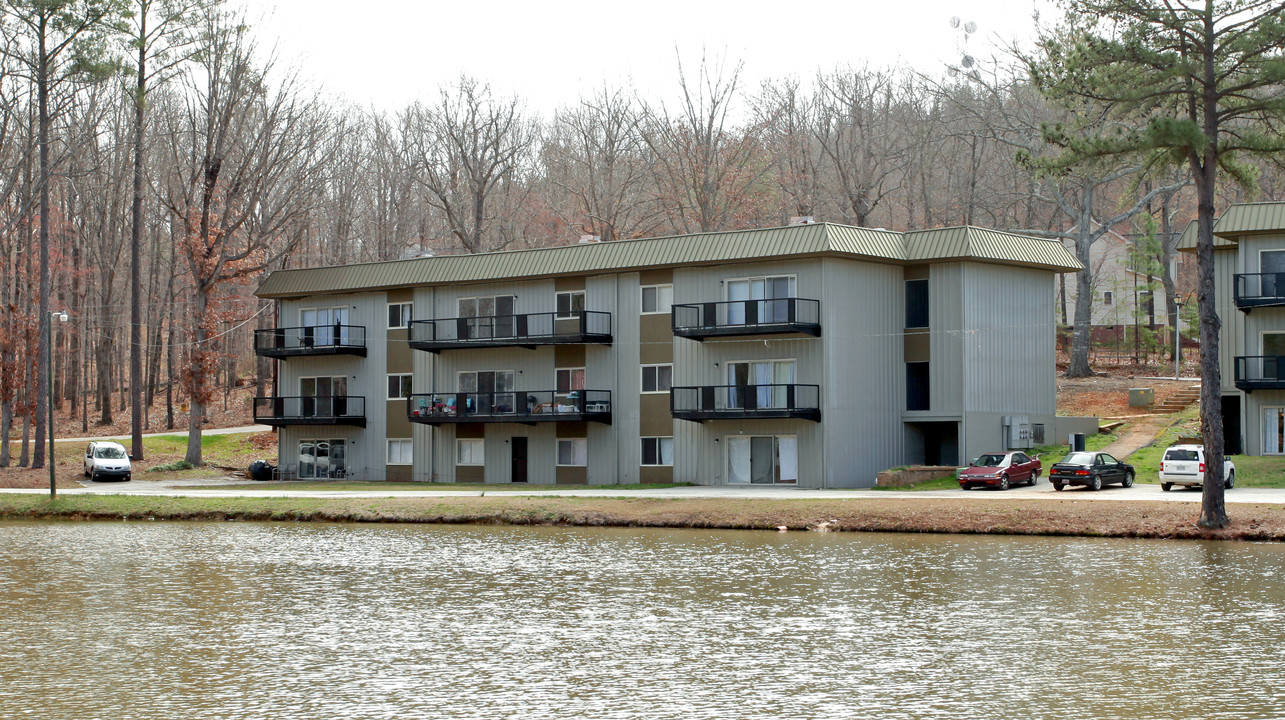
[(1081, 472)]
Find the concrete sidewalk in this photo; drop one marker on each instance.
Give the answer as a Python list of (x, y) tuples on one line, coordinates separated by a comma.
[(173, 433), (217, 488)]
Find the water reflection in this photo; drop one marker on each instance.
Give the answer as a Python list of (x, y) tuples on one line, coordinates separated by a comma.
[(145, 620)]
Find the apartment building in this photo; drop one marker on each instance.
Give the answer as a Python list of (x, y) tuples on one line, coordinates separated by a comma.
[(811, 355), (1249, 285)]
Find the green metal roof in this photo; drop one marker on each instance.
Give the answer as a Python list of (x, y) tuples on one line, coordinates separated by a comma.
[(822, 239), (1239, 220)]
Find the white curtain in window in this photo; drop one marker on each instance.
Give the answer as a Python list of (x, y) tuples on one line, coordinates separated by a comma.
[(738, 460), (1273, 431), (787, 450)]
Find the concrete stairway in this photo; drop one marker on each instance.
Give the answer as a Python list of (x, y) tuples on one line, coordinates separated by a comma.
[(1179, 401)]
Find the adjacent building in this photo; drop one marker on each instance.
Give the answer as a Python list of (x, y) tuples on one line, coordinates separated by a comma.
[(811, 355), (1249, 266)]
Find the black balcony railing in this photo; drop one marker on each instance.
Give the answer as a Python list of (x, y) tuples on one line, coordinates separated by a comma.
[(748, 317), (311, 340), (713, 402), (1260, 372), (1255, 290), (301, 410), (527, 330), (519, 406)]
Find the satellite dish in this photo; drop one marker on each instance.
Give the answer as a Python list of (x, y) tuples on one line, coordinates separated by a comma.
[(970, 27), (954, 21)]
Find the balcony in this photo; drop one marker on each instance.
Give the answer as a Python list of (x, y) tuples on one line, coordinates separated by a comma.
[(311, 340), (1255, 290), (297, 410), (528, 331), (1260, 372), (515, 406), (737, 402), (748, 317)]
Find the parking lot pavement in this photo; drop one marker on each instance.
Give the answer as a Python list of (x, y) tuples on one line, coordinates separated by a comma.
[(1043, 490)]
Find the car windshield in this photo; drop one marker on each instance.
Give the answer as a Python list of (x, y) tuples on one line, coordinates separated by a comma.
[(109, 453), (990, 460), (1181, 455), (1078, 458)]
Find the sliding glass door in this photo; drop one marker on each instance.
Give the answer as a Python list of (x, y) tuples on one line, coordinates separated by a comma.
[(762, 459)]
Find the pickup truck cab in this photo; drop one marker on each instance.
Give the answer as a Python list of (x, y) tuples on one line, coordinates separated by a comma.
[(1185, 465)]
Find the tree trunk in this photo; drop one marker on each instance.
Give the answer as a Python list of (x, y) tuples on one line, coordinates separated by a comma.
[(135, 252), (1082, 333), (1213, 509), (196, 403), (42, 339)]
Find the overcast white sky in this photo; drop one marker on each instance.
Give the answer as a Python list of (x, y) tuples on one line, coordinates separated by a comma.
[(387, 53)]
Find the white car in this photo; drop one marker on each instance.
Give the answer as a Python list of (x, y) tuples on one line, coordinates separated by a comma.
[(1185, 465), (107, 461)]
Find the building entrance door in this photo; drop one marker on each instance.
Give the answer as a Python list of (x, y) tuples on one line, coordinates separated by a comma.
[(517, 447)]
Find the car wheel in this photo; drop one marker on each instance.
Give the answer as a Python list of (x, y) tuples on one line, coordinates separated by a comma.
[(1003, 482), (1231, 480), (128, 477), (1128, 480), (1166, 486), (1035, 476), (93, 476), (1057, 486), (965, 486), (86, 473), (1095, 483)]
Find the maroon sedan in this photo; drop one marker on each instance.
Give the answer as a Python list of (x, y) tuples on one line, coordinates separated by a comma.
[(1000, 470)]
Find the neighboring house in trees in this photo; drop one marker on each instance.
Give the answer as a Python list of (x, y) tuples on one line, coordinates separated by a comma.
[(1123, 294)]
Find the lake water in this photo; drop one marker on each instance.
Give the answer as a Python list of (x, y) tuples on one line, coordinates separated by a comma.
[(238, 620)]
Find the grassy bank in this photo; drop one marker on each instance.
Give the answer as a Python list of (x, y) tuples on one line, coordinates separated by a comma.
[(1003, 517)]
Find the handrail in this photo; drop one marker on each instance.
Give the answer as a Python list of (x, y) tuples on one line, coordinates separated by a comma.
[(1259, 287), (1261, 370), (515, 403), (521, 326), (738, 313), (745, 398), (310, 407), (310, 336)]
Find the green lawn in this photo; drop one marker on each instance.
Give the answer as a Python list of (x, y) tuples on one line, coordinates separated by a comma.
[(1268, 472)]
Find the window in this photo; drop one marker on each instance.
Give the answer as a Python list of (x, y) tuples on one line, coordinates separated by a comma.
[(400, 451), (657, 299), (486, 317), (399, 386), (916, 303), (493, 388), (917, 395), (657, 378), (760, 300), (1106, 298), (760, 384), (323, 396), (399, 315), (323, 327), (658, 451), (573, 452), (570, 384), (1271, 263), (322, 459), (469, 451), (570, 303), (763, 459)]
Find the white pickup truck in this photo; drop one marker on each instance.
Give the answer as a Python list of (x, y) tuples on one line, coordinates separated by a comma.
[(1185, 465)]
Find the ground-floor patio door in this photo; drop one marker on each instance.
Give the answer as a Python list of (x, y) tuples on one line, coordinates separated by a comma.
[(322, 459), (762, 459)]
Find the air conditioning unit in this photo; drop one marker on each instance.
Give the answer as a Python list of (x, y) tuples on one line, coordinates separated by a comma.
[(802, 220), (585, 239)]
